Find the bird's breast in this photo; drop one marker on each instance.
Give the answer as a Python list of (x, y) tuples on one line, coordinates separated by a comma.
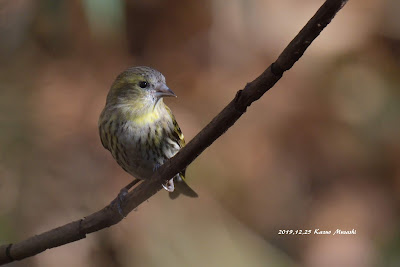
[(147, 146), (140, 144)]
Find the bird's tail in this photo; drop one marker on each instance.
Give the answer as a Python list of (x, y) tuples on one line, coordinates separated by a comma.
[(181, 187)]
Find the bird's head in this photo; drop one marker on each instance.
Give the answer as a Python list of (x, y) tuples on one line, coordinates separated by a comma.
[(142, 87)]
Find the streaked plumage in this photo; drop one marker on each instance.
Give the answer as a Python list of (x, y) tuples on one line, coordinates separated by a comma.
[(138, 129)]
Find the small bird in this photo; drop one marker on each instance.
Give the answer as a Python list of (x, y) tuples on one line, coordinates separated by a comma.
[(139, 130)]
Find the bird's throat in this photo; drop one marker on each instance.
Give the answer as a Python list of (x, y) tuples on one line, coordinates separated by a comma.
[(147, 114)]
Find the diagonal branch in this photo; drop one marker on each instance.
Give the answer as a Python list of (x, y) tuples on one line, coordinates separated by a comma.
[(109, 215)]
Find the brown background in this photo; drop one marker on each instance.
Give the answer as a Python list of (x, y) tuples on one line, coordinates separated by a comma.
[(320, 150)]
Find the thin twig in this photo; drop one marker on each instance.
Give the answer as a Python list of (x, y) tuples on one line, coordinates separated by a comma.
[(109, 215)]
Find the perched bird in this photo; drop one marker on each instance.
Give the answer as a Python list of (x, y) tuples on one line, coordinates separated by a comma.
[(139, 130)]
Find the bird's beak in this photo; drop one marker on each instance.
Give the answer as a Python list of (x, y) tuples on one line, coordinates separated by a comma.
[(163, 90)]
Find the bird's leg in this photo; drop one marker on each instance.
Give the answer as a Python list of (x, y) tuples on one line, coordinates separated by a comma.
[(122, 194)]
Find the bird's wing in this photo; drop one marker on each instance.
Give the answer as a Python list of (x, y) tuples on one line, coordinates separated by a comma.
[(176, 134), (181, 187)]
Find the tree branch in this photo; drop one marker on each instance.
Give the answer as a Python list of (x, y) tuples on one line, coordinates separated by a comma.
[(109, 215)]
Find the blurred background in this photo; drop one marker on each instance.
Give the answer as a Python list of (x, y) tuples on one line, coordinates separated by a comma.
[(321, 150)]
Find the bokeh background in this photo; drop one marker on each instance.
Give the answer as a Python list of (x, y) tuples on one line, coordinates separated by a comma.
[(321, 150)]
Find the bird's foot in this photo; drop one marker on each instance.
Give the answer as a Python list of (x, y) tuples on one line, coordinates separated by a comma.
[(122, 194), (169, 185), (120, 199)]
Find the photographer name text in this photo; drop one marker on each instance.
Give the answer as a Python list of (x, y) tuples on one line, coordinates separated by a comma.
[(317, 232)]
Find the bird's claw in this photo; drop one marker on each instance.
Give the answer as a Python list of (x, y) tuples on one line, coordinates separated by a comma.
[(169, 185), (122, 194), (120, 199)]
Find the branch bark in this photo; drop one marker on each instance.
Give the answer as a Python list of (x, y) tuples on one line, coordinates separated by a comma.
[(109, 215)]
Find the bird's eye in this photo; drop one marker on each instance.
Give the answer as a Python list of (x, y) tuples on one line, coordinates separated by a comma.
[(143, 84)]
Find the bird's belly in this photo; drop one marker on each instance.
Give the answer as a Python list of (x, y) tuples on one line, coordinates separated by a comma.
[(141, 158), (141, 169), (145, 149), (138, 162)]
